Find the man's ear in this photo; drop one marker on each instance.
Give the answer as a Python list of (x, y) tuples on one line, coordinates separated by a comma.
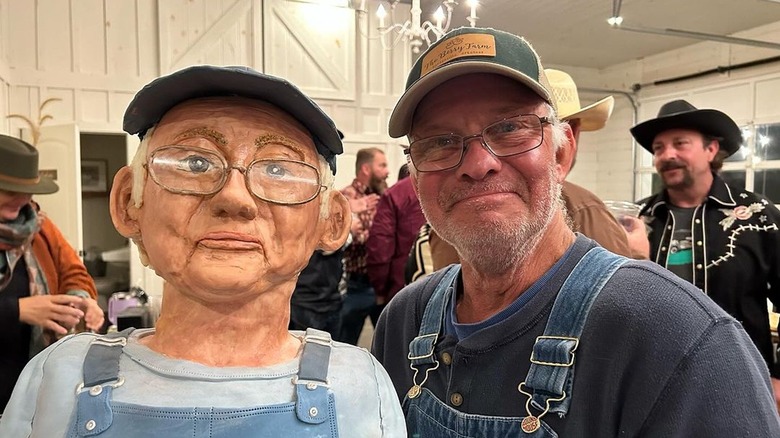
[(713, 148), (336, 226), (124, 213), (564, 156)]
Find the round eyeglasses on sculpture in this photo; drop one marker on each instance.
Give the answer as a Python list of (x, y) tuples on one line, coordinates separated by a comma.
[(510, 136), (195, 171)]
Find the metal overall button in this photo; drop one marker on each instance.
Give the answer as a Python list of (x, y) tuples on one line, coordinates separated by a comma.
[(532, 423)]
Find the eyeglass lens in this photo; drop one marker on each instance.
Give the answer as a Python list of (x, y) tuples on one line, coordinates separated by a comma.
[(188, 170), (511, 136)]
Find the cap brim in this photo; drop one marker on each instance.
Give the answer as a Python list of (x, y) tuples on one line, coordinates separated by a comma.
[(707, 121), (403, 113), (44, 186), (595, 116), (162, 94)]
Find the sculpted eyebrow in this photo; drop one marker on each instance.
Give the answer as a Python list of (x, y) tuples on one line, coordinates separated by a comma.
[(215, 136), (267, 139)]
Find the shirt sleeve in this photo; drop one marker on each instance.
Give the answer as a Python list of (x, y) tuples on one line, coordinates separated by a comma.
[(71, 271), (731, 396), (380, 245), (597, 223), (17, 419), (393, 423)]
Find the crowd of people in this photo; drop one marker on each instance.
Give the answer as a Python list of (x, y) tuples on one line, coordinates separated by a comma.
[(506, 300)]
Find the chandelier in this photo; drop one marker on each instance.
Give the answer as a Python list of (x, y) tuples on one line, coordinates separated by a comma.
[(414, 30)]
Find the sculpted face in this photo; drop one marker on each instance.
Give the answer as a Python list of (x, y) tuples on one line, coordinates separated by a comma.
[(489, 208), (680, 157), (231, 243)]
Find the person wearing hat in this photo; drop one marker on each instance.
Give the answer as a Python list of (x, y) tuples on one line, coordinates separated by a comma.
[(721, 238), (229, 194), (45, 290), (587, 213), (539, 331)]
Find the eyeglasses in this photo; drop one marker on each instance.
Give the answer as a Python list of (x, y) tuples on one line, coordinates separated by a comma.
[(194, 171), (510, 136)]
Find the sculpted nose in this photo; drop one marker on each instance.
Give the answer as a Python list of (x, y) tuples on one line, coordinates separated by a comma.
[(235, 200)]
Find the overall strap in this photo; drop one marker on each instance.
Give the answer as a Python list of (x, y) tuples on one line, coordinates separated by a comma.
[(311, 383), (101, 376), (421, 347), (551, 376)]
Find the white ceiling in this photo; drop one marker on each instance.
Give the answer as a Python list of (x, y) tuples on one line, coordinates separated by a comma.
[(576, 33)]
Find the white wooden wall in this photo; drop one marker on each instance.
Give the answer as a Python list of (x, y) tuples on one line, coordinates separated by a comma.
[(95, 54)]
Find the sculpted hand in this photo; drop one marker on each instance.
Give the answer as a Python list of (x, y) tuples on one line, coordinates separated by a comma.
[(636, 233), (58, 313)]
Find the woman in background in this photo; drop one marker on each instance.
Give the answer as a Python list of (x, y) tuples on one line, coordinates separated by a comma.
[(45, 290)]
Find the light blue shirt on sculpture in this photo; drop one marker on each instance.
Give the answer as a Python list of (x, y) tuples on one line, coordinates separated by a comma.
[(44, 399)]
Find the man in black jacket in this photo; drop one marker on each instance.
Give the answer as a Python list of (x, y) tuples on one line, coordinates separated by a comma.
[(721, 238)]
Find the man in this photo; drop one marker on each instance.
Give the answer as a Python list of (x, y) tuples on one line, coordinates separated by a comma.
[(540, 331), (721, 238), (229, 194), (396, 224), (587, 213), (363, 194), (316, 301)]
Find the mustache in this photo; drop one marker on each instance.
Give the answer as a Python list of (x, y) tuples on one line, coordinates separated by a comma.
[(452, 197), (670, 165)]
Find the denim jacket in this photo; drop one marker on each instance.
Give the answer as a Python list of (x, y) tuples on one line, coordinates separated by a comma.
[(736, 259)]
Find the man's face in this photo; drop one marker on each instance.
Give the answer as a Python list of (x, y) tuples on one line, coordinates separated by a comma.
[(379, 173), (487, 207), (681, 157), (220, 246), (11, 204)]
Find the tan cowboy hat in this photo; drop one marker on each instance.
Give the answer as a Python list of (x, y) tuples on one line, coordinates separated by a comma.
[(19, 168), (592, 118)]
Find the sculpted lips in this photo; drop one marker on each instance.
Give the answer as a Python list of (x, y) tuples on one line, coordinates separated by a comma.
[(230, 241)]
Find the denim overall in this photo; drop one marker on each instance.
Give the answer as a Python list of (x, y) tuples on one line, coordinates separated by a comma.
[(549, 382), (313, 414)]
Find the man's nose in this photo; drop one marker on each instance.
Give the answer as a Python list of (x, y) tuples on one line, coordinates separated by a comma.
[(478, 160)]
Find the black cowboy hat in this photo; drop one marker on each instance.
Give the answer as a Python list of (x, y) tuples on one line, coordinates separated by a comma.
[(680, 114), (19, 168)]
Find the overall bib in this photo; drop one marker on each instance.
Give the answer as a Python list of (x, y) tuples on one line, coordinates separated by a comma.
[(549, 382), (312, 414)]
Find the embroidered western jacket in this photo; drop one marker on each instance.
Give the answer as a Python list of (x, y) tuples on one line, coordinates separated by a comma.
[(735, 252)]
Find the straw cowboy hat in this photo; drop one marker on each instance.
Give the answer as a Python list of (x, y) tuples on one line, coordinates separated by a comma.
[(680, 114), (592, 118), (19, 168)]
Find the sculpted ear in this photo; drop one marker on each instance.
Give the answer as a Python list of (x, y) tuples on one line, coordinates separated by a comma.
[(336, 226), (124, 213)]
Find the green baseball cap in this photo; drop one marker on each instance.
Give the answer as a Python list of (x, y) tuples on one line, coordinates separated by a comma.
[(463, 51)]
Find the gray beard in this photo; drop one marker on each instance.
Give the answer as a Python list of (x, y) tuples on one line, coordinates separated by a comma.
[(497, 248)]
